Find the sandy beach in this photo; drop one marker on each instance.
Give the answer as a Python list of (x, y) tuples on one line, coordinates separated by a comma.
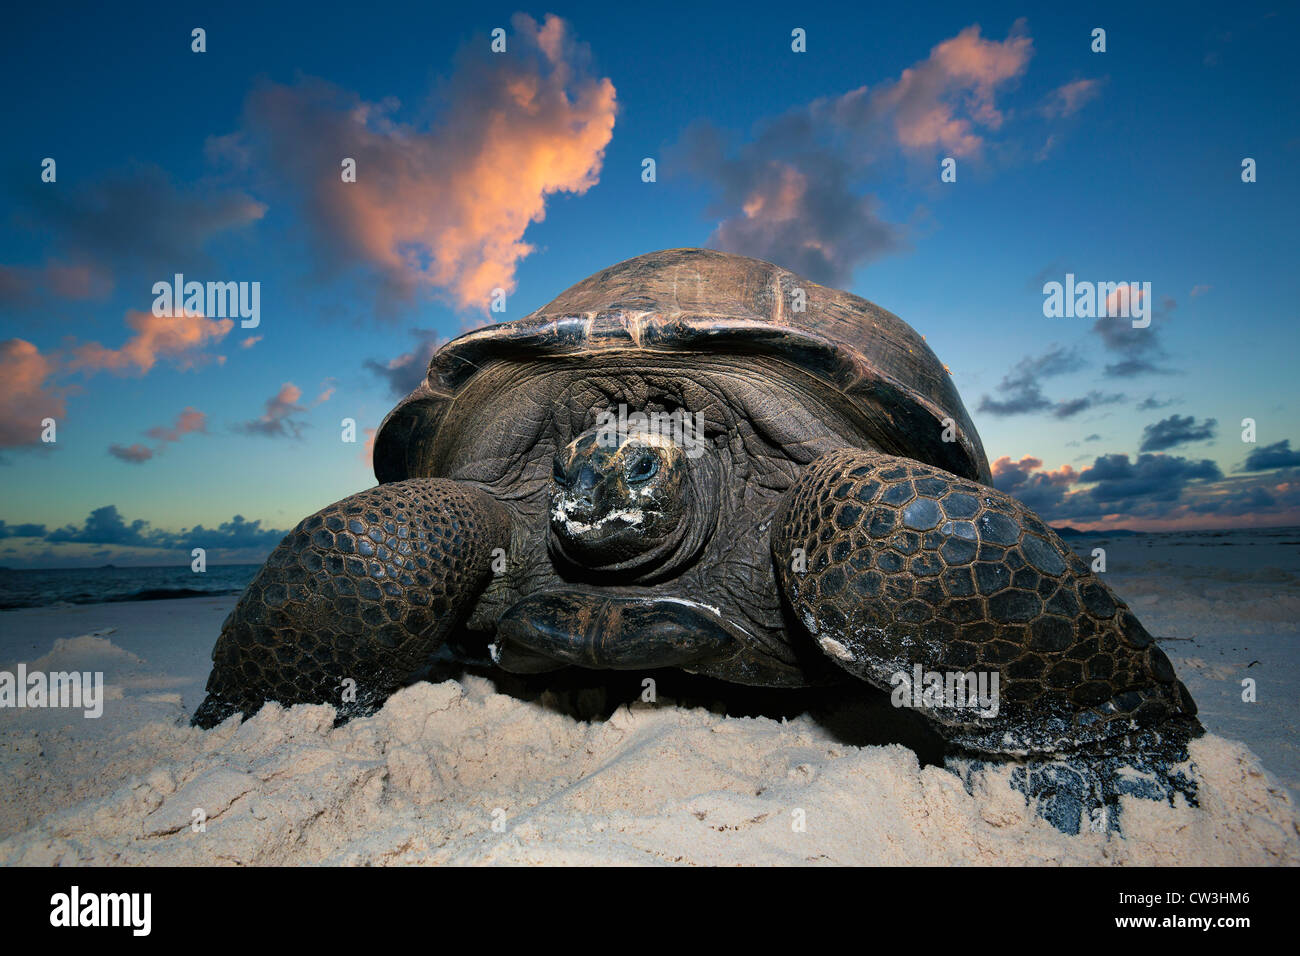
[(480, 770)]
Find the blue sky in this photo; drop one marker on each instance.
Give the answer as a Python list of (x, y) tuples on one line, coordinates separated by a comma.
[(1115, 166)]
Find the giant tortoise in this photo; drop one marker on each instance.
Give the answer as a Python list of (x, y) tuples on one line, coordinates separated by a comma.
[(701, 461)]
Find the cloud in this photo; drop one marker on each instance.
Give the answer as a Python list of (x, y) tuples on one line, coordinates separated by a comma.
[(1140, 350), (1094, 399), (328, 388), (808, 220), (250, 341), (1020, 388), (1276, 455), (1042, 491), (136, 454), (1256, 497), (1124, 485), (1151, 403), (276, 421), (1068, 99), (1176, 430), (233, 534), (1151, 486), (445, 206), (937, 102), (791, 193), (189, 420), (1020, 391), (406, 371), (28, 390), (22, 530), (1154, 491), (107, 526), (27, 285), (182, 339), (26, 393), (1199, 290), (136, 218)]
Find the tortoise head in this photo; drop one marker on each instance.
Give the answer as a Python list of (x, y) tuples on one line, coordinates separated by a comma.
[(640, 501)]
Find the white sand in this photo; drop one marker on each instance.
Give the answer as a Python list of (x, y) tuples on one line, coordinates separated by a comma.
[(423, 780)]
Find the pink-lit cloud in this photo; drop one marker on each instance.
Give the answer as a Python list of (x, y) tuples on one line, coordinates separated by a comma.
[(1151, 492), (442, 207), (278, 421), (326, 393), (792, 194), (27, 394), (1068, 99), (189, 420), (183, 340), (1004, 468), (938, 102), (30, 388)]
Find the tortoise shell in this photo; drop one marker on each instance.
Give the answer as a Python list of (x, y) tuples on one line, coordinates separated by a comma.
[(708, 302)]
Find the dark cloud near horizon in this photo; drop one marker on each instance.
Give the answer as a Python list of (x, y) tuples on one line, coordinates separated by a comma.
[(1253, 495), (1150, 476), (1041, 491), (21, 530), (107, 526), (1152, 486), (1276, 455), (1176, 430)]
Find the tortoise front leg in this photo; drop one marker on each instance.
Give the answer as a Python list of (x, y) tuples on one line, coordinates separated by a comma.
[(900, 570), (365, 590)]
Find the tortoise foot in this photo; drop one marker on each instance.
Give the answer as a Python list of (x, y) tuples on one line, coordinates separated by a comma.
[(960, 601), (354, 600)]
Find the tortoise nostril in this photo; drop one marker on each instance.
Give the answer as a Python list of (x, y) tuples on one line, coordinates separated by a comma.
[(587, 480)]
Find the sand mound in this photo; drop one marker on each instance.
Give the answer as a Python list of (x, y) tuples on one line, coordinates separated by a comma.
[(457, 773)]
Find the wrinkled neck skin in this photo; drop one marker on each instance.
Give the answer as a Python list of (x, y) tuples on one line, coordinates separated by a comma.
[(762, 422)]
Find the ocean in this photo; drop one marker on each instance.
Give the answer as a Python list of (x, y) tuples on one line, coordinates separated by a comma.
[(54, 588)]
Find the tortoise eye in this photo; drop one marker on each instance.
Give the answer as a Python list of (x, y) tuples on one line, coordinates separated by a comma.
[(557, 471), (643, 468)]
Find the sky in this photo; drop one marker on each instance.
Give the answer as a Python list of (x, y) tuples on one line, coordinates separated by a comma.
[(524, 171)]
